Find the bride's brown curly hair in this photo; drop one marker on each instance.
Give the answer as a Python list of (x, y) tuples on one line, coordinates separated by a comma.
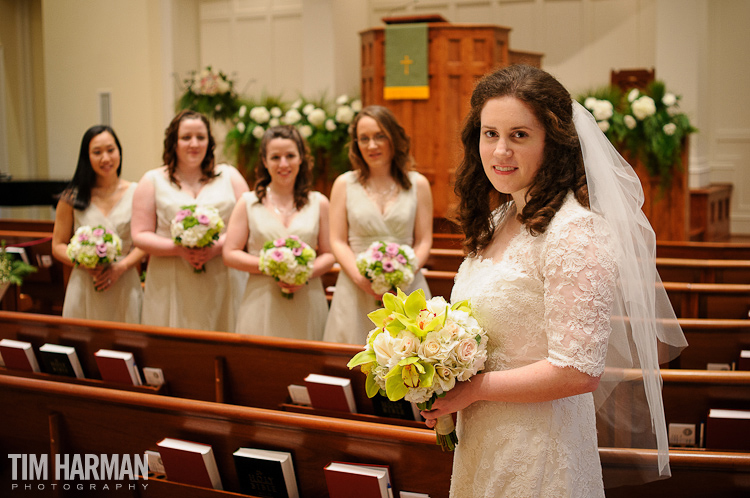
[(561, 170)]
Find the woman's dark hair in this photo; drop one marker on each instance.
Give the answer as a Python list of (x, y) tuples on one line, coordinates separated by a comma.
[(562, 163), (170, 146), (304, 176), (78, 191), (402, 161)]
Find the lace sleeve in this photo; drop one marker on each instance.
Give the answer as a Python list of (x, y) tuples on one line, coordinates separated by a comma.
[(579, 289)]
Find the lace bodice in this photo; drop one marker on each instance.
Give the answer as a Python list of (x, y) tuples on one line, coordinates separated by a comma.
[(548, 298)]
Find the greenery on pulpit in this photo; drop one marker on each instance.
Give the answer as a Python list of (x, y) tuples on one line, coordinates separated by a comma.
[(12, 270), (211, 93), (323, 124), (648, 124)]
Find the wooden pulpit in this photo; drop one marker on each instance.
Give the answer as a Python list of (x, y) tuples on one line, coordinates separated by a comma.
[(459, 54)]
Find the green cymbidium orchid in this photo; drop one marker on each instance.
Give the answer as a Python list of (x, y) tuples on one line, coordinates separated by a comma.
[(408, 373)]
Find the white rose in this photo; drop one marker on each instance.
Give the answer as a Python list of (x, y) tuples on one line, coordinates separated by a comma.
[(644, 107), (275, 112), (467, 350), (669, 99), (603, 125), (630, 121), (670, 128), (634, 93), (305, 131), (344, 114), (258, 132), (241, 127), (292, 116), (430, 347), (382, 346), (259, 114), (406, 344), (308, 109), (356, 105), (342, 99), (445, 377), (317, 117), (330, 125)]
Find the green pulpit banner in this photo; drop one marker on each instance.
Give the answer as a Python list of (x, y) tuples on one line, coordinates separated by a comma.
[(406, 62)]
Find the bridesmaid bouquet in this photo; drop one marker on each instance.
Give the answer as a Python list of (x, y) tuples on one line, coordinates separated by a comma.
[(93, 246), (197, 227), (387, 266), (419, 350), (287, 260)]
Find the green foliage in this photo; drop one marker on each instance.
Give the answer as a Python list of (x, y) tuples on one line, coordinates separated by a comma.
[(211, 93), (649, 125), (12, 270)]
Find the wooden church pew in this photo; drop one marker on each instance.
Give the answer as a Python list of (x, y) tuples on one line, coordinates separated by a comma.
[(703, 250), (726, 271), (46, 417), (712, 341), (731, 301)]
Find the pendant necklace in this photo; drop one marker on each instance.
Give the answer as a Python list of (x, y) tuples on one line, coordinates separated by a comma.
[(285, 212)]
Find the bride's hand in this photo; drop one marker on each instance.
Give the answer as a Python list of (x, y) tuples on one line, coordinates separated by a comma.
[(454, 400)]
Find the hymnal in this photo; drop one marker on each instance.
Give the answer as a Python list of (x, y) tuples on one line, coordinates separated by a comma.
[(61, 360), (410, 494), (266, 473), (18, 355), (299, 394), (744, 363), (331, 393), (118, 367), (369, 481), (189, 463), (728, 429)]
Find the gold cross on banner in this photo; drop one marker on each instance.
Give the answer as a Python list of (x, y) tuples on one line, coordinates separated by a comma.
[(406, 62)]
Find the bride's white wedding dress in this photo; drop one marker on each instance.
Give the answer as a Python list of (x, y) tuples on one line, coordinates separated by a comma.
[(548, 298)]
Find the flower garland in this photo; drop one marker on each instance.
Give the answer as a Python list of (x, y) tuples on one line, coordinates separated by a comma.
[(648, 124)]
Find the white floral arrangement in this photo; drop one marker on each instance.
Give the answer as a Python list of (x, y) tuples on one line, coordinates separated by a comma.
[(93, 246), (323, 125), (211, 93), (287, 260), (649, 124), (196, 226), (387, 266), (419, 349)]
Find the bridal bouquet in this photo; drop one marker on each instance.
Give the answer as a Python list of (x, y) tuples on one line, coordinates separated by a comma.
[(287, 260), (387, 266), (93, 246), (196, 227), (419, 350)]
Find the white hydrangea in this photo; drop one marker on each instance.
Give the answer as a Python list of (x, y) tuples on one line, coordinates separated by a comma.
[(344, 114), (669, 99), (274, 122), (308, 109), (317, 117), (603, 125), (356, 105), (241, 127), (243, 111), (305, 131), (630, 121), (258, 132), (670, 128), (634, 93), (260, 114), (330, 125), (276, 112), (603, 109), (643, 107), (342, 99), (292, 116)]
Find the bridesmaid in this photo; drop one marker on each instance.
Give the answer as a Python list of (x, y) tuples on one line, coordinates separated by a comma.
[(177, 296), (280, 205), (382, 199), (98, 196)]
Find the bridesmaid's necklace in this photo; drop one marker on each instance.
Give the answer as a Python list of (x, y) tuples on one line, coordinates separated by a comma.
[(381, 197), (281, 211)]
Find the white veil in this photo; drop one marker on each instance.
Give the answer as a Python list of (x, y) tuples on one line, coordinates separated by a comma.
[(645, 331)]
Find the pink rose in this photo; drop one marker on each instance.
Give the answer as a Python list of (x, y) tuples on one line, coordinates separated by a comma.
[(467, 350), (387, 266), (203, 219), (181, 215), (98, 232), (277, 255), (297, 251), (101, 250), (391, 249), (377, 255), (401, 259), (279, 243)]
